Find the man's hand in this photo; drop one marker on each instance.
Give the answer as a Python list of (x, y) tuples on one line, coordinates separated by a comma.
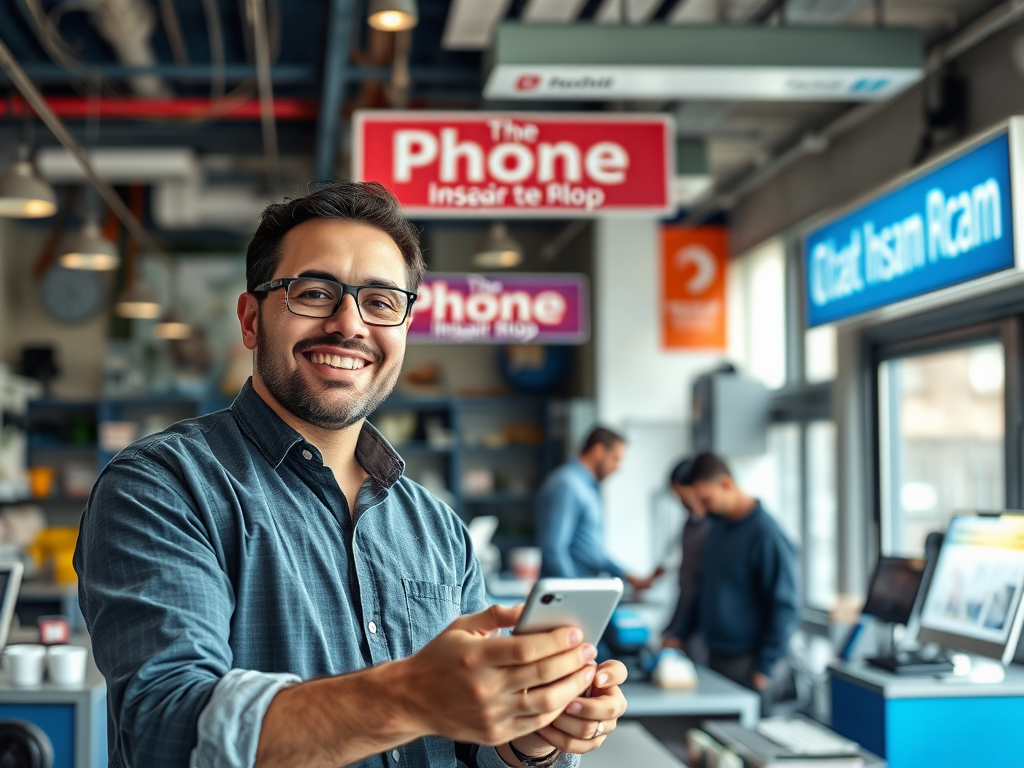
[(760, 681), (468, 686), (586, 722)]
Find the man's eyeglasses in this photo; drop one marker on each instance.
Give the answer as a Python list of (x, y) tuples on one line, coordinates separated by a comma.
[(314, 297)]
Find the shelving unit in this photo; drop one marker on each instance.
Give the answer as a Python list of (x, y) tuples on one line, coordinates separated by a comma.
[(484, 456), (65, 435), (509, 440)]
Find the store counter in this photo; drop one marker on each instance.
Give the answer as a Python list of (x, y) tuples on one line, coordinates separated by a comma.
[(714, 696), (73, 717), (630, 744), (930, 722)]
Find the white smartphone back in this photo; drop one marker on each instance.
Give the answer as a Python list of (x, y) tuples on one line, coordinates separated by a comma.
[(584, 603)]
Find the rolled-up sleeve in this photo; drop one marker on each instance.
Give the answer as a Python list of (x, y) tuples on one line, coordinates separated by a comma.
[(230, 724), (158, 604)]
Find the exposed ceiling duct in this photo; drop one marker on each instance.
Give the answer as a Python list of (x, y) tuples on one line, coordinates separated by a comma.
[(128, 25), (183, 195), (470, 24)]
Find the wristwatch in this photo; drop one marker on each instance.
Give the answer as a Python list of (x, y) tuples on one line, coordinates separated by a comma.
[(544, 761)]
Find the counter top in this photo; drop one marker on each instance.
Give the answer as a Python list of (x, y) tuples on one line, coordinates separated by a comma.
[(892, 686), (713, 695)]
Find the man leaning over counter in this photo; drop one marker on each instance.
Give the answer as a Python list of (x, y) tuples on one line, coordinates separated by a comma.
[(263, 585)]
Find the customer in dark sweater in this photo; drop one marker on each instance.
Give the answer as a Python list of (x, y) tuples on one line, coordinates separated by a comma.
[(747, 605), (695, 531)]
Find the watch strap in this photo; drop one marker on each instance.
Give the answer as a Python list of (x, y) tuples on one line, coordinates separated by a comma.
[(544, 761)]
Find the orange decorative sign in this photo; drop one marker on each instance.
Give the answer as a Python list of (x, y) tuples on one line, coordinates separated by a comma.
[(694, 263)]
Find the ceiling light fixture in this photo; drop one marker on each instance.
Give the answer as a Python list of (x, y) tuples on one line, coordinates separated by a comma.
[(139, 302), (89, 249), (498, 249), (392, 15), (172, 326), (23, 194)]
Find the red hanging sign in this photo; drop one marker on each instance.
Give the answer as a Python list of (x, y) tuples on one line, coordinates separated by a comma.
[(457, 164)]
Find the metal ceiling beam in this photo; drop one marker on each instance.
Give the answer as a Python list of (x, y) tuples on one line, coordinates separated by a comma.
[(336, 66), (998, 19)]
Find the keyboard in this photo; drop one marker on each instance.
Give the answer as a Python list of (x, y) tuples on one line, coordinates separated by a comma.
[(802, 737)]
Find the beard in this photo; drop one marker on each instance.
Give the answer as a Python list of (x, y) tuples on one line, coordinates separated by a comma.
[(315, 404)]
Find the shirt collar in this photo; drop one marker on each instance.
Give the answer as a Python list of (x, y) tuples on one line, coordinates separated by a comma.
[(275, 438), (585, 473)]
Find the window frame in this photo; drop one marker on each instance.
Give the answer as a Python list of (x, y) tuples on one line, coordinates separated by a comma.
[(1007, 333)]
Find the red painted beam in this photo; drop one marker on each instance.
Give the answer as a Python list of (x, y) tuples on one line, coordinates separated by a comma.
[(106, 108)]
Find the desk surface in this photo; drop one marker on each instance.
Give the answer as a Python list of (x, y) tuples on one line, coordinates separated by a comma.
[(714, 695), (892, 686), (630, 745)]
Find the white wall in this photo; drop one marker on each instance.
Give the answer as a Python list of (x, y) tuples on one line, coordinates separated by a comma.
[(642, 389), (24, 322)]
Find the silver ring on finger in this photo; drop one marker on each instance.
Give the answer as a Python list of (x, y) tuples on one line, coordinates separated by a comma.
[(600, 729)]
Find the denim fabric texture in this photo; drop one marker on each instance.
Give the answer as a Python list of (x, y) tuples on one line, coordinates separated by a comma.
[(218, 561), (570, 524)]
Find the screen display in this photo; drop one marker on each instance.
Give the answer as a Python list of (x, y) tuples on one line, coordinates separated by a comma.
[(978, 579), (893, 589)]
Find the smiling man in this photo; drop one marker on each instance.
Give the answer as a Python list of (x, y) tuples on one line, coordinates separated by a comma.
[(264, 587)]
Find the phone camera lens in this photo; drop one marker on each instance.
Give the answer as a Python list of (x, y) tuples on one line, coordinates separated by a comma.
[(547, 599)]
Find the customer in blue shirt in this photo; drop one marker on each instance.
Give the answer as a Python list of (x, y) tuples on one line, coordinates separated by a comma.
[(747, 605), (264, 587), (570, 517)]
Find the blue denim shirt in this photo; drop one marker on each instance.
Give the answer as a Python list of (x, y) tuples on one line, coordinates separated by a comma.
[(218, 562), (569, 525)]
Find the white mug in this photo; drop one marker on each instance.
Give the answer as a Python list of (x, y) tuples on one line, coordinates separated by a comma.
[(26, 662), (66, 664)]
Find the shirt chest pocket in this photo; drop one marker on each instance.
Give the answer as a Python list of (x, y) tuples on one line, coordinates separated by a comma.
[(431, 607)]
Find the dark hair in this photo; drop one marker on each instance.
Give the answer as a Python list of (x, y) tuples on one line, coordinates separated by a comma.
[(368, 202), (679, 473), (706, 466), (601, 436)]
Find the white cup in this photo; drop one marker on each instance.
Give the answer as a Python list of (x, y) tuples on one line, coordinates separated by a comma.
[(26, 663), (66, 664), (524, 562)]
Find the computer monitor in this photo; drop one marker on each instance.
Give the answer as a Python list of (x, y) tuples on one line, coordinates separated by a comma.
[(10, 583), (893, 589), (973, 601)]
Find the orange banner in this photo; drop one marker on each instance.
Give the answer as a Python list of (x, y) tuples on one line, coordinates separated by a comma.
[(694, 262)]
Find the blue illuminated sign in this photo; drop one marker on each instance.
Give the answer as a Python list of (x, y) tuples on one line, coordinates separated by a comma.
[(949, 226)]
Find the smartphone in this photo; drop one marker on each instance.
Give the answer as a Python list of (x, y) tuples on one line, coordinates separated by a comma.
[(584, 603)]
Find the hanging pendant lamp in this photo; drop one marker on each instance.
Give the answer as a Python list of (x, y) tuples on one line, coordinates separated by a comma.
[(89, 249), (392, 15), (172, 326), (138, 301), (498, 249), (23, 194)]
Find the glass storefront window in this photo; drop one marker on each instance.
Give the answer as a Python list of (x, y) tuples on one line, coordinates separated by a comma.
[(820, 362), (757, 312), (822, 515), (941, 428)]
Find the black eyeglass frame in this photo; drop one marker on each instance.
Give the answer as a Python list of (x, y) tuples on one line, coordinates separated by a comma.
[(350, 290)]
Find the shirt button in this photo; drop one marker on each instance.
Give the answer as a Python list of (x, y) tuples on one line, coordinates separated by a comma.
[(307, 455), (372, 626), (395, 755)]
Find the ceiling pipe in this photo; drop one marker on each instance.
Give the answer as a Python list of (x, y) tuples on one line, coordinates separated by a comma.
[(127, 26), (336, 74), (14, 71), (991, 23), (258, 18)]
